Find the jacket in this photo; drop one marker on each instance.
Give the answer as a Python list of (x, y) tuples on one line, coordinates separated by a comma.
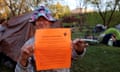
[(31, 66)]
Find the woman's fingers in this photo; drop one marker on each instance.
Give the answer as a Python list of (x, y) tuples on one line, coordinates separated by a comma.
[(26, 52), (79, 44)]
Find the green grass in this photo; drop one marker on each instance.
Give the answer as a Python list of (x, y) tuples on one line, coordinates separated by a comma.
[(98, 58)]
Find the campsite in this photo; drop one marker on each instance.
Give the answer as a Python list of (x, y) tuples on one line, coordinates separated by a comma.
[(99, 27)]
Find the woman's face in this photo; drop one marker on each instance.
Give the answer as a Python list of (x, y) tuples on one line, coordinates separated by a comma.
[(42, 22)]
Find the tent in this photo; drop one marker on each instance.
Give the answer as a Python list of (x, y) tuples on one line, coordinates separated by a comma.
[(19, 30), (110, 34), (99, 28)]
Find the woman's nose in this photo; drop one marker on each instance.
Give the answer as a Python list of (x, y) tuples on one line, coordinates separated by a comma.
[(41, 22)]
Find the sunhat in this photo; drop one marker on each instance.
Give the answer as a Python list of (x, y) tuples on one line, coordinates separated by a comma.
[(42, 11)]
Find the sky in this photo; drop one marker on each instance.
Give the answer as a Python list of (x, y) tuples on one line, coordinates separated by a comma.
[(71, 3), (74, 4)]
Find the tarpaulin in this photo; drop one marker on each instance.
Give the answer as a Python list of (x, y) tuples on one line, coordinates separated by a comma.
[(18, 31)]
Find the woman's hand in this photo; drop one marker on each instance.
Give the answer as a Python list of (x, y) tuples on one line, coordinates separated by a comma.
[(26, 52), (79, 45)]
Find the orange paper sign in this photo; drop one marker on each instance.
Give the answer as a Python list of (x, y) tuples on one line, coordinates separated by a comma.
[(52, 48)]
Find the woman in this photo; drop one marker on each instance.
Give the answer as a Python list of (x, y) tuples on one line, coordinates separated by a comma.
[(42, 19)]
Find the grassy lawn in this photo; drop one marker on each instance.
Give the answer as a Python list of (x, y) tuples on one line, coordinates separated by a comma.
[(99, 58)]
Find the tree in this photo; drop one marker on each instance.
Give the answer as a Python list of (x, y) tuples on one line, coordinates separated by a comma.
[(82, 5), (4, 10), (119, 5), (60, 10), (103, 7), (17, 7)]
